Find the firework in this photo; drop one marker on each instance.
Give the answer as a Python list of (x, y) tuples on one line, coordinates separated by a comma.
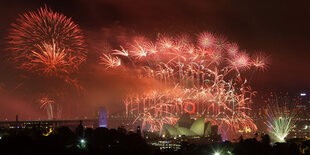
[(47, 104), (109, 61), (139, 50), (240, 61), (52, 109), (47, 43), (232, 49), (50, 60), (203, 80), (50, 45), (165, 42), (122, 52), (280, 118), (206, 40), (260, 61)]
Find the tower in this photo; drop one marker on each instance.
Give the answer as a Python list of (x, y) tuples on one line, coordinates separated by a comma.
[(103, 119)]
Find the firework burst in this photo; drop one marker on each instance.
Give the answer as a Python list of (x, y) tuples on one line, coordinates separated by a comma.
[(208, 76), (206, 40), (232, 49), (109, 61), (240, 61), (43, 40), (50, 60), (47, 104), (261, 61), (50, 45), (280, 118)]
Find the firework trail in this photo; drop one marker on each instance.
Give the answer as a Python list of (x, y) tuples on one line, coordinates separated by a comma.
[(280, 117), (209, 75), (47, 104)]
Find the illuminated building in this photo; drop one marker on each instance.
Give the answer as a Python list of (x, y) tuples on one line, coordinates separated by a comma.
[(103, 118), (186, 127)]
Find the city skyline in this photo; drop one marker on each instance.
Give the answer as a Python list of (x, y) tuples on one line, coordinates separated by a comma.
[(150, 60)]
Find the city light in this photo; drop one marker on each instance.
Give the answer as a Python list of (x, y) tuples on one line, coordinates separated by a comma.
[(303, 94), (83, 141), (217, 153), (82, 144)]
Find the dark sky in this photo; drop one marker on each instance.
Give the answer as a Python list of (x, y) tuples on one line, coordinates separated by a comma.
[(279, 28)]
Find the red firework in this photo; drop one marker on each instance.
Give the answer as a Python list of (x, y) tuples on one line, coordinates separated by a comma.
[(205, 79), (206, 40), (189, 107), (46, 42)]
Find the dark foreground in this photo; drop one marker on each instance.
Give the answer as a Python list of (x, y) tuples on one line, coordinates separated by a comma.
[(118, 141)]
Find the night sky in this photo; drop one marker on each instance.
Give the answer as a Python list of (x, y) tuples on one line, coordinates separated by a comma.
[(279, 28)]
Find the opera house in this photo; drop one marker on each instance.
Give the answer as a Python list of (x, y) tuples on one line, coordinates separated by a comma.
[(189, 128)]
